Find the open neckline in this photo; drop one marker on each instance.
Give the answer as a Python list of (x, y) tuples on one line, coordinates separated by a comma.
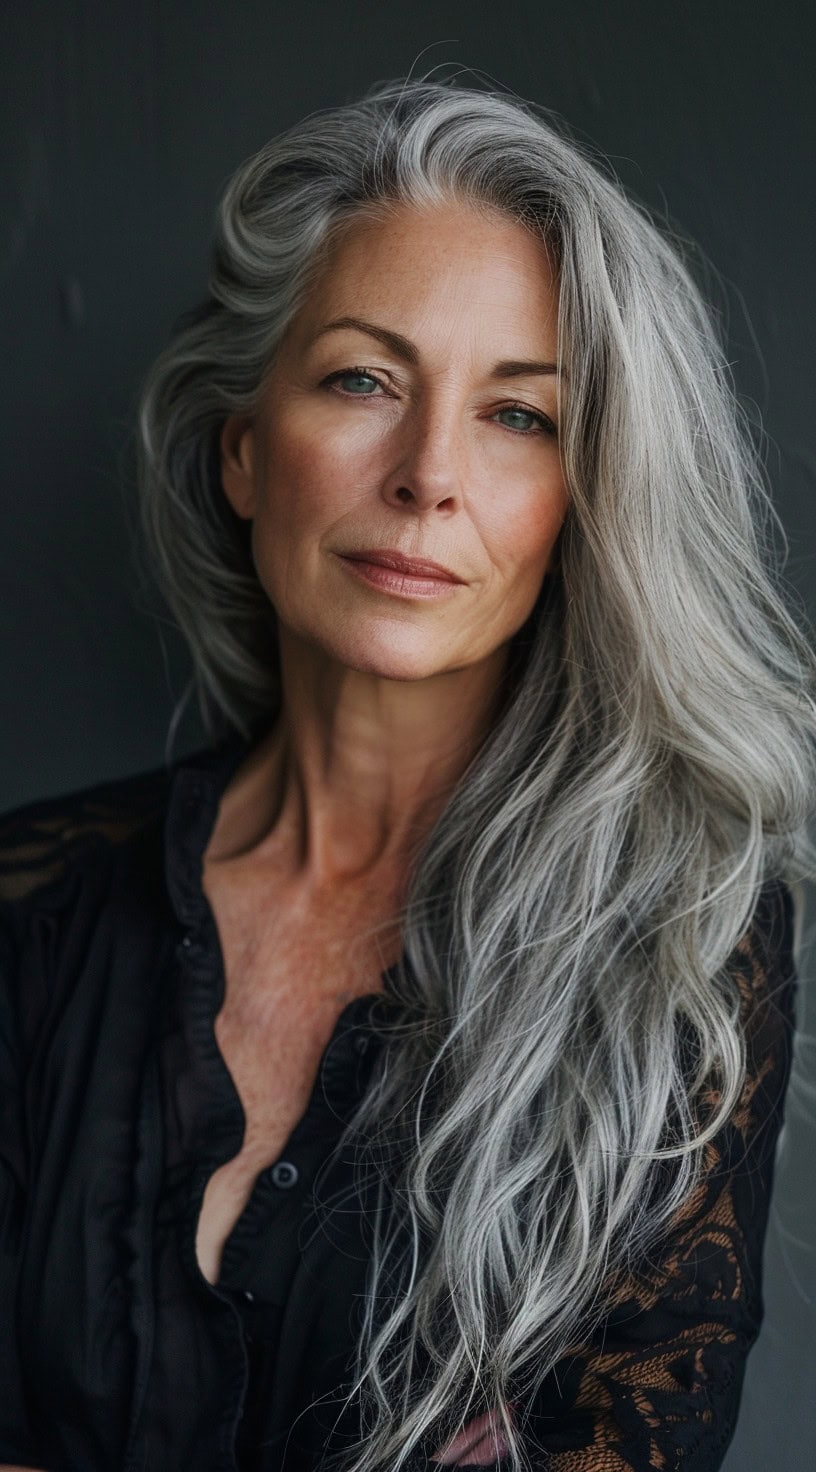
[(339, 1078)]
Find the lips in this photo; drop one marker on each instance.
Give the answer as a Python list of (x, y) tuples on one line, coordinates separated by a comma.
[(412, 567)]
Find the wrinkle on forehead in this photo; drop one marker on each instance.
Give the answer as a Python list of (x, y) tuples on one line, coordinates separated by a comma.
[(470, 299)]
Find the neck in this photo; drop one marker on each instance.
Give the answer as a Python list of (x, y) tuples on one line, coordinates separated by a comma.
[(352, 776)]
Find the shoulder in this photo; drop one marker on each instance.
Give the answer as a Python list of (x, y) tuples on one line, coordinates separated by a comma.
[(90, 882), (764, 968), (82, 889), (765, 962), (45, 842)]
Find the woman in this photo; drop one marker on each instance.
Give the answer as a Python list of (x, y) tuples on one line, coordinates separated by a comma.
[(396, 1081)]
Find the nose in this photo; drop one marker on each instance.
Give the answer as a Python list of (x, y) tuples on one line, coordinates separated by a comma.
[(428, 464)]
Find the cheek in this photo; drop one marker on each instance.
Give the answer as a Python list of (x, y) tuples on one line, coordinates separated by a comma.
[(295, 482), (521, 533), (308, 476)]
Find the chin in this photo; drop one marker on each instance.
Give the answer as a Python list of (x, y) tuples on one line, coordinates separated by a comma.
[(388, 662), (389, 668)]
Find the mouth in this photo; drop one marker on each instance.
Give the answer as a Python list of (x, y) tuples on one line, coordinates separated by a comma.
[(412, 567), (398, 582)]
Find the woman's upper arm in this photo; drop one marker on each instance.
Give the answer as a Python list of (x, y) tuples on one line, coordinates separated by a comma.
[(20, 1006), (659, 1385)]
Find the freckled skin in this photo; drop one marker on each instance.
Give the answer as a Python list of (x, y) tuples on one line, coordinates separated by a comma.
[(429, 469), (385, 699)]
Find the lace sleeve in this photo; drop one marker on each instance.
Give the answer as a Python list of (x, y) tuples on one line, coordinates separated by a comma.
[(659, 1385)]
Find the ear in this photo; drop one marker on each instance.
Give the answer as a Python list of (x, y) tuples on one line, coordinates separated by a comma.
[(238, 464)]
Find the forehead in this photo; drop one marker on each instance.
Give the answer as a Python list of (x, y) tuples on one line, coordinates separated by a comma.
[(423, 261)]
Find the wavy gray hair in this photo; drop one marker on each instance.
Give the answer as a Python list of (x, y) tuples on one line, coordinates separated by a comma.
[(573, 910)]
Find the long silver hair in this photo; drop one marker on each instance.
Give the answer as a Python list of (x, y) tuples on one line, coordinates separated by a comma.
[(572, 913)]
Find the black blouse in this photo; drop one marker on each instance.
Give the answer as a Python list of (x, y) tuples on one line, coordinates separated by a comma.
[(116, 1106)]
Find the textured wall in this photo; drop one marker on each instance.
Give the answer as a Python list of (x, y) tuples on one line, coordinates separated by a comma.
[(125, 120)]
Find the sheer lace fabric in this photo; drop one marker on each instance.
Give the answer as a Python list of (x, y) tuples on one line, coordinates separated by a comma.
[(658, 1385)]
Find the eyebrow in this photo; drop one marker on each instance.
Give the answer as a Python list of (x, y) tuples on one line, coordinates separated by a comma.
[(402, 347)]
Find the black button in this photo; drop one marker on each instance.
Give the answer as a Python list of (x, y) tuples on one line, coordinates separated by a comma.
[(187, 941), (284, 1174)]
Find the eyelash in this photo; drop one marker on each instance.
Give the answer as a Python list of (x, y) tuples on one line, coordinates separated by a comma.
[(547, 425)]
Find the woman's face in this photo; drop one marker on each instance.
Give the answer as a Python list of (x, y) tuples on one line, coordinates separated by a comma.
[(422, 432)]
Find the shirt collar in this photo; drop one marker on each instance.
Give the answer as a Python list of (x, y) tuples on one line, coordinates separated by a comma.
[(196, 786)]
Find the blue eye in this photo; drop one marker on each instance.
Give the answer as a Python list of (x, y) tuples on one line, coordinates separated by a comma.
[(357, 373), (362, 375), (546, 424)]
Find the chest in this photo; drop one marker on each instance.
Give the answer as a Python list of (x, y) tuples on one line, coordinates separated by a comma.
[(290, 969)]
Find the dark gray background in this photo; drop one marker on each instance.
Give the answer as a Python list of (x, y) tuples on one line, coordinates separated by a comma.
[(124, 121)]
